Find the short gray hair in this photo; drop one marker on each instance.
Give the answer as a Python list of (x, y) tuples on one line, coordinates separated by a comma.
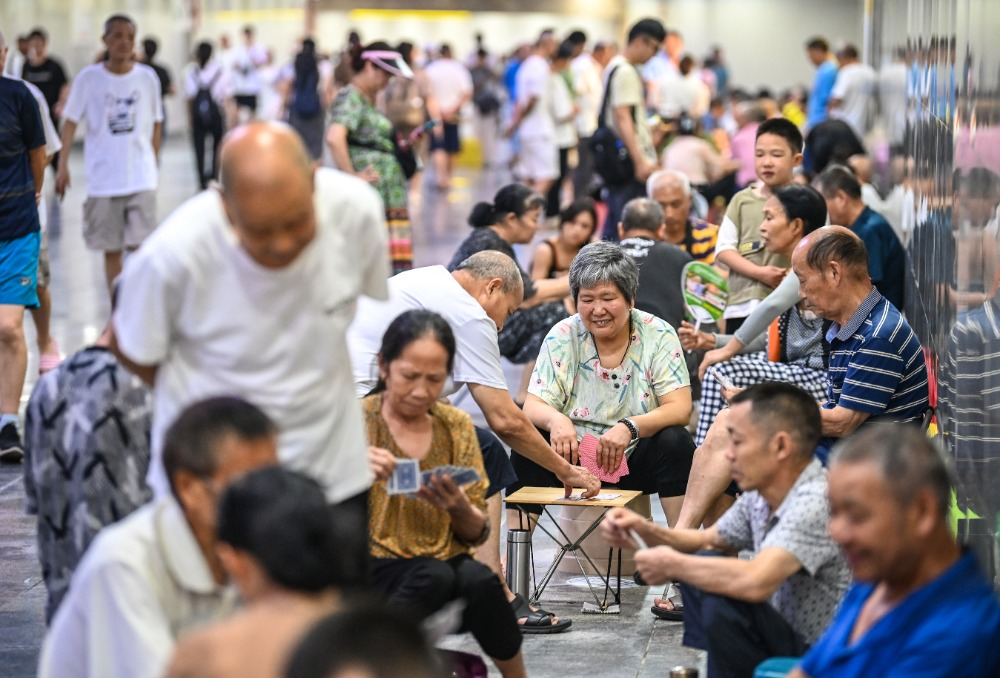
[(604, 262), (906, 459), (489, 264), (642, 214), (667, 176)]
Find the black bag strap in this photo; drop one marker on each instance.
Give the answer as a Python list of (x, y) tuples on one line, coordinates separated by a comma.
[(607, 95)]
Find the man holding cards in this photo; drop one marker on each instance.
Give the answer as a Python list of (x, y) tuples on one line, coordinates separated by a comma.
[(777, 604)]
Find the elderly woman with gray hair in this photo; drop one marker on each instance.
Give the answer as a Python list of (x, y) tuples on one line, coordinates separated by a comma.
[(618, 374)]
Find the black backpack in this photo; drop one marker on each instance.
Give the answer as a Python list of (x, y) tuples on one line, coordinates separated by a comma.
[(205, 108)]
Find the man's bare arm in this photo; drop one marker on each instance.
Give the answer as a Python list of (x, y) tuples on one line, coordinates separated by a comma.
[(145, 372)]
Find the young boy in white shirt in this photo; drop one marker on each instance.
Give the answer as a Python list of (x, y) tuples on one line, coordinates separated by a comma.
[(120, 102)]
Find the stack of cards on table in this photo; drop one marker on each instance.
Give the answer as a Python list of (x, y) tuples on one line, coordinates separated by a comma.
[(407, 478), (588, 458)]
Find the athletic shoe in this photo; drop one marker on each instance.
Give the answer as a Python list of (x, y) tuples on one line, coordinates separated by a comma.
[(11, 450)]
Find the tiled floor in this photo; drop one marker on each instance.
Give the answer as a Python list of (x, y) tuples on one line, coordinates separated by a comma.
[(626, 644)]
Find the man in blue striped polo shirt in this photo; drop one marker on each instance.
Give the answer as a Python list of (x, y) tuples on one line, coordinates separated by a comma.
[(877, 370)]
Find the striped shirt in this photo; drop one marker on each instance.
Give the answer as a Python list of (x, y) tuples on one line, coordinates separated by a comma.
[(877, 364), (699, 240)]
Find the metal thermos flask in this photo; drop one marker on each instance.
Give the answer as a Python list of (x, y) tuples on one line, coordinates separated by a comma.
[(683, 672), (519, 561)]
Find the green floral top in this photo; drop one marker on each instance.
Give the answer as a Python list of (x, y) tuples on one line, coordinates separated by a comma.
[(367, 125), (568, 374)]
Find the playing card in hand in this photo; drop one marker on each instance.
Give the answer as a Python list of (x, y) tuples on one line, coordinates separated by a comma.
[(406, 478), (588, 458)]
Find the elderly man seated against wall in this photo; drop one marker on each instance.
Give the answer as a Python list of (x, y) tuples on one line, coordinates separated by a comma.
[(876, 368), (921, 605), (779, 602)]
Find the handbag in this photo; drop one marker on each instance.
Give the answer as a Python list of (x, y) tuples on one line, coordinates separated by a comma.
[(611, 159), (405, 156)]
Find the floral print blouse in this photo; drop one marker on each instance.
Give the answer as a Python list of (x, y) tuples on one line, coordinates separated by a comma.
[(568, 374)]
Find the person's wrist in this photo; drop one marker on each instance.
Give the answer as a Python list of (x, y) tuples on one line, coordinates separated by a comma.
[(630, 426)]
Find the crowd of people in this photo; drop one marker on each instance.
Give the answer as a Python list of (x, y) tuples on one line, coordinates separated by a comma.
[(255, 469)]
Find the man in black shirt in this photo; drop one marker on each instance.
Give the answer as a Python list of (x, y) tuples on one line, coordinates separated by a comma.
[(48, 75), (660, 265), (149, 49)]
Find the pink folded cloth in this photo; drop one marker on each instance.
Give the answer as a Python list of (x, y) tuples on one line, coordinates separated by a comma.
[(588, 457)]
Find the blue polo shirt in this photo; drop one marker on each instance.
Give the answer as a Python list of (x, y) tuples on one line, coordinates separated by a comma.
[(886, 259), (877, 364), (948, 627), (20, 131)]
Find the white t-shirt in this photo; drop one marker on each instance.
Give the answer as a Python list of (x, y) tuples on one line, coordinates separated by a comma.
[(589, 92), (53, 144), (562, 108), (449, 81), (212, 76), (533, 81), (120, 112), (141, 584), (216, 322), (243, 64), (855, 86), (477, 355)]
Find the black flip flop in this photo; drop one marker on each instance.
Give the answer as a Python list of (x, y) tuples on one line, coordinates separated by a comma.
[(676, 614), (536, 621)]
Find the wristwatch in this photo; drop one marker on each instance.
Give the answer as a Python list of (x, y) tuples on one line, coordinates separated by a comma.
[(630, 425)]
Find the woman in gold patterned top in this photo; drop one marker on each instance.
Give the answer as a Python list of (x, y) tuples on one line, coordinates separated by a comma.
[(421, 546)]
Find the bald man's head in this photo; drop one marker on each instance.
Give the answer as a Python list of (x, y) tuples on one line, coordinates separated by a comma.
[(267, 191), (834, 243), (831, 264)]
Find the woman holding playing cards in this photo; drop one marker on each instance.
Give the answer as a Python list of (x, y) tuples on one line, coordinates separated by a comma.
[(423, 525), (617, 374)]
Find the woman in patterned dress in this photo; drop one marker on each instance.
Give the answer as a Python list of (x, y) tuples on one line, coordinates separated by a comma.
[(421, 544), (617, 374), (360, 139)]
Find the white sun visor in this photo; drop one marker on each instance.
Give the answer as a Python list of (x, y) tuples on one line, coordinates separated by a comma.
[(389, 61)]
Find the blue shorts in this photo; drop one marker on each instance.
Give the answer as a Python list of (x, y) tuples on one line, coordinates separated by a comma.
[(19, 271), (449, 140)]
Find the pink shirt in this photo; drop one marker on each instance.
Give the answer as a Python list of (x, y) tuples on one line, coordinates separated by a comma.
[(742, 149)]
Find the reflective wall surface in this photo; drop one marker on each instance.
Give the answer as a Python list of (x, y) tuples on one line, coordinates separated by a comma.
[(939, 85)]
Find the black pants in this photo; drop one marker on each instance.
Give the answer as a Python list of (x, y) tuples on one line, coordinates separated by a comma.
[(199, 133), (660, 464), (736, 634), (499, 470), (423, 586), (583, 175), (552, 199), (351, 523)]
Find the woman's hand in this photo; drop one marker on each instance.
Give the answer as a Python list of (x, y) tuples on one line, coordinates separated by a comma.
[(369, 174), (694, 341), (611, 447), (442, 492), (562, 438), (381, 461)]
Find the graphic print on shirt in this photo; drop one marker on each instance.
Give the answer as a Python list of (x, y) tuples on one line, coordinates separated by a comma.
[(121, 112)]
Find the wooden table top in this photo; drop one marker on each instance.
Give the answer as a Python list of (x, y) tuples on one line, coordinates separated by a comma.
[(554, 495)]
